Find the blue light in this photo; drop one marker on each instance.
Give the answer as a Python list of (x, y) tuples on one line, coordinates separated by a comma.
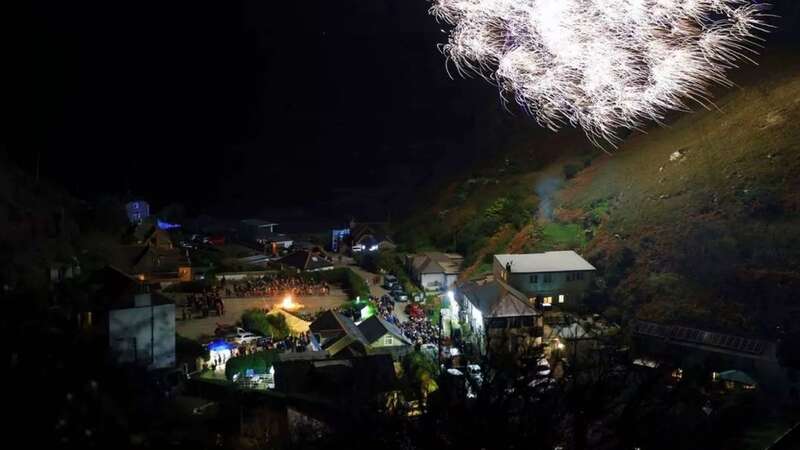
[(165, 225), (218, 346)]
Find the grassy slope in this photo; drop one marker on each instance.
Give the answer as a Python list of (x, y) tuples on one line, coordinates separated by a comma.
[(706, 231), (711, 218)]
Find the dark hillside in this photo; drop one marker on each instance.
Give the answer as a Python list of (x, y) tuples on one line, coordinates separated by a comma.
[(694, 222)]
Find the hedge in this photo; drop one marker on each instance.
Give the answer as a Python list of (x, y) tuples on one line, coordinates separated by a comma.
[(257, 321), (260, 362)]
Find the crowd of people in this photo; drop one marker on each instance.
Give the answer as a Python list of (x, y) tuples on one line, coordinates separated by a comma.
[(203, 304), (273, 286), (420, 331)]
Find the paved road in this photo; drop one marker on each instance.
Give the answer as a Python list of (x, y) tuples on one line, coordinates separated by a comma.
[(376, 290), (234, 307)]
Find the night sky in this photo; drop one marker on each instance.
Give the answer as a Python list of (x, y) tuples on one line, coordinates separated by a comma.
[(246, 104), (238, 106)]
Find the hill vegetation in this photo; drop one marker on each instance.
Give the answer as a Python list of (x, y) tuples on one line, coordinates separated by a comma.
[(696, 222)]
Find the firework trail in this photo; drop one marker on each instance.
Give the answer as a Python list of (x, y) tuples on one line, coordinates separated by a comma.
[(602, 65)]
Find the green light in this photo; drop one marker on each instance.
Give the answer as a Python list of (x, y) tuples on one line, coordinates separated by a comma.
[(367, 312)]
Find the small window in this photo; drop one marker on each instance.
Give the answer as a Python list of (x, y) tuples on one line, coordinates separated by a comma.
[(548, 278), (570, 276), (534, 279), (548, 301), (561, 298), (388, 340), (579, 275)]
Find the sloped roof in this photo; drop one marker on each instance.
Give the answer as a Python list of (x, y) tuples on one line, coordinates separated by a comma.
[(556, 261), (113, 289), (143, 231), (497, 299), (306, 260), (437, 262), (571, 331), (330, 321), (146, 258), (347, 333), (374, 328)]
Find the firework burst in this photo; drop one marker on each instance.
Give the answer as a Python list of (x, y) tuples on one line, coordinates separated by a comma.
[(602, 65)]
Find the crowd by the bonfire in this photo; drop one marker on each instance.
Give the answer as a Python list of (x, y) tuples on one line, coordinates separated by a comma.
[(203, 304), (273, 286)]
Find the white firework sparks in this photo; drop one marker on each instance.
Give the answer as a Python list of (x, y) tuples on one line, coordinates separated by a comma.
[(602, 65)]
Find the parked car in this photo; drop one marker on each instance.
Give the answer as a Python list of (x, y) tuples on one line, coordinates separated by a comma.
[(400, 296), (263, 342), (242, 336), (224, 329)]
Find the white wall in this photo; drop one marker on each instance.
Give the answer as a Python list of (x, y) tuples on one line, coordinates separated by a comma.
[(428, 279), (134, 332)]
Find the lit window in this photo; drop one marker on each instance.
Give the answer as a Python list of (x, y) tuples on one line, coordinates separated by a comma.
[(561, 298), (548, 301), (388, 340)]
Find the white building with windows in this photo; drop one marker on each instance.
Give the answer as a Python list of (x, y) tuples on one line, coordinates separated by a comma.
[(497, 317), (434, 270), (547, 279)]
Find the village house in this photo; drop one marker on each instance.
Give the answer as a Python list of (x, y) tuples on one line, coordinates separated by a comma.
[(338, 336), (380, 334), (369, 237), (547, 279), (497, 317), (152, 257), (137, 321), (435, 270)]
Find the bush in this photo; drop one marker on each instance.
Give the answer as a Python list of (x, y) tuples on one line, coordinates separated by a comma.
[(277, 322), (420, 372), (258, 322), (259, 362), (570, 170), (618, 264)]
